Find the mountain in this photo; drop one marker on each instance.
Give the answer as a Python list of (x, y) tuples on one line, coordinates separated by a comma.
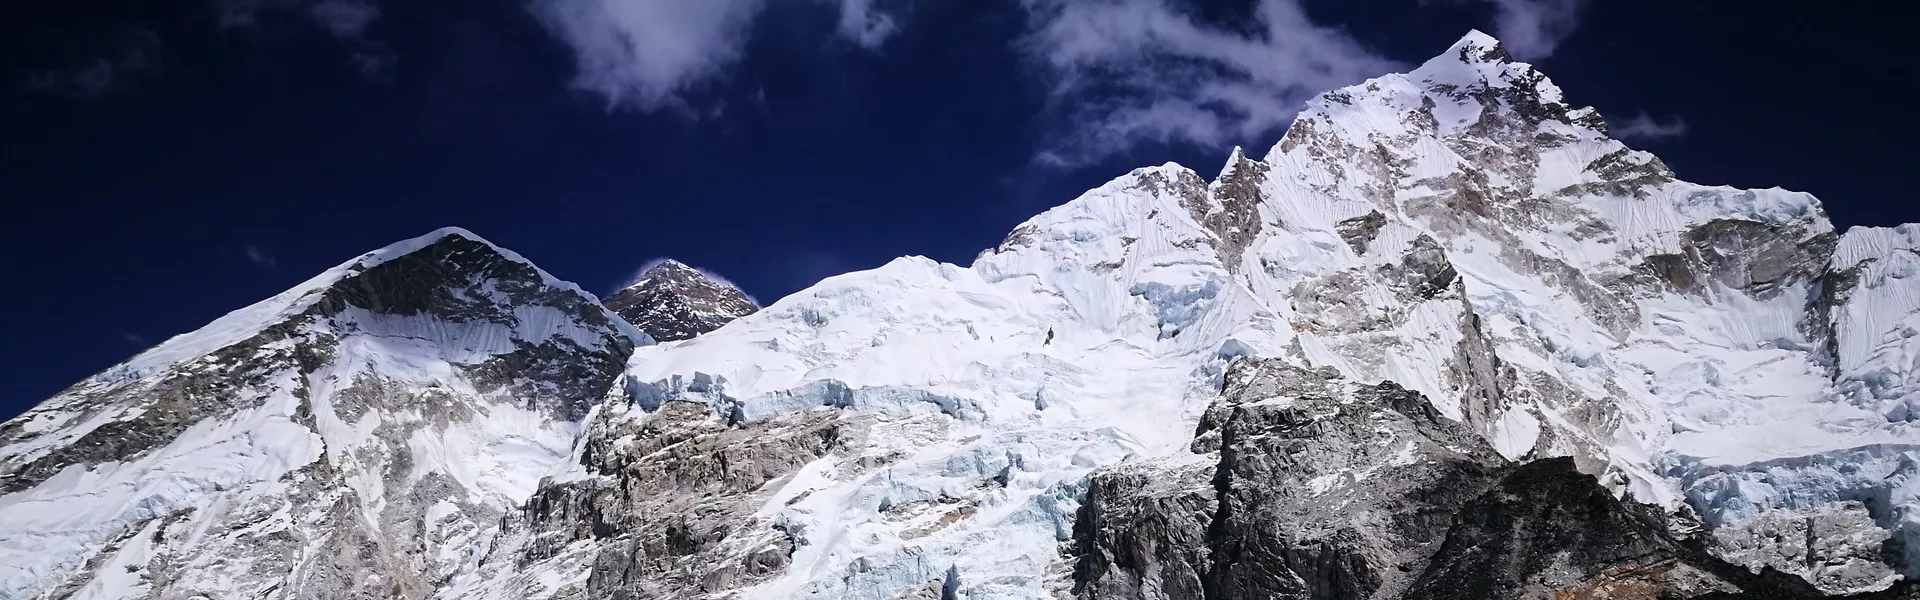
[(1446, 339), (355, 436), (673, 302)]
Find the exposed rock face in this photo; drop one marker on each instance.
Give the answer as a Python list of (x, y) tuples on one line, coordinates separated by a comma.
[(674, 502), (1328, 489), (1359, 231), (1548, 531), (1743, 255), (1230, 208), (671, 511), (1142, 533), (1323, 488), (672, 302)]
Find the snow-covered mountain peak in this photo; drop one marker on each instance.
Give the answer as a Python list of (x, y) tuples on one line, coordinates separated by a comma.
[(1644, 320), (418, 390), (672, 301), (668, 268), (458, 254), (1478, 61), (1475, 47), (1474, 89)]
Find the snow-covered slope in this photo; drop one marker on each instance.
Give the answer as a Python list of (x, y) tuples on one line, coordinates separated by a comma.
[(1090, 335), (357, 434), (926, 430)]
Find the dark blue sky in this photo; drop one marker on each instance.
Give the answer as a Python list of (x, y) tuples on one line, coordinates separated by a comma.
[(165, 162)]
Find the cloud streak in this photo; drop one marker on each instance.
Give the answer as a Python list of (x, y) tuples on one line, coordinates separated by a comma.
[(1532, 29), (258, 257), (135, 56), (1119, 74), (1646, 128), (650, 54), (350, 23), (1126, 72), (348, 19)]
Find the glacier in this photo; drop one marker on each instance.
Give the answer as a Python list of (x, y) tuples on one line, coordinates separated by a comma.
[(929, 430)]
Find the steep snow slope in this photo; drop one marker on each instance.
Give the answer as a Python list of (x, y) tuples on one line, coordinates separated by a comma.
[(356, 434), (1458, 230)]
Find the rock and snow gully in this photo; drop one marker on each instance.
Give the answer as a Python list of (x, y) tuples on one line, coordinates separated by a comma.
[(1446, 339)]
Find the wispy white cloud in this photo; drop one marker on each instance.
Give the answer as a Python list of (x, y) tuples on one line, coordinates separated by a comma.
[(256, 256), (135, 56), (345, 18), (1120, 73), (1532, 29), (649, 54), (1125, 72), (862, 23), (351, 23), (1645, 127), (134, 338)]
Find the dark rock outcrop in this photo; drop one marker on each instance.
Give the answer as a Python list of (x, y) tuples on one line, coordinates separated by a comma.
[(672, 508), (672, 301), (1323, 488), (1329, 489), (1359, 231)]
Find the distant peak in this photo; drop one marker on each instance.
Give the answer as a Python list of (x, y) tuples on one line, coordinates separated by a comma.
[(668, 265), (667, 271), (671, 301)]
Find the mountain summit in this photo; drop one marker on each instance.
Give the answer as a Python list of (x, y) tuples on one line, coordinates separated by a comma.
[(672, 301), (352, 436), (1445, 339)]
